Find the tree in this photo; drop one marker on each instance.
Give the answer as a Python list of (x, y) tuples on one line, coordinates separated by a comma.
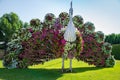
[(9, 24), (113, 38), (25, 25), (2, 35)]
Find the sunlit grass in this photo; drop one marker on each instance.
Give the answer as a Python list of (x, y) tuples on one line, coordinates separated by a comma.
[(52, 71)]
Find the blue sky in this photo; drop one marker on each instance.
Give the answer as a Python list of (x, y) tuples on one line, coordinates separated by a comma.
[(105, 14)]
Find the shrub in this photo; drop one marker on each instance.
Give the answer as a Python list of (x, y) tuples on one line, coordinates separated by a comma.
[(116, 51)]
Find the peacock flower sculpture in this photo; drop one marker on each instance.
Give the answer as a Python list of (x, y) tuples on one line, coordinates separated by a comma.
[(51, 39)]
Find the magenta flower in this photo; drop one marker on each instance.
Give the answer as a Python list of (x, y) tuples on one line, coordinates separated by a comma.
[(56, 32), (63, 41)]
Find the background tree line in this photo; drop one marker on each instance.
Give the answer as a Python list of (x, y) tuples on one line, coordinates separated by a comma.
[(113, 38)]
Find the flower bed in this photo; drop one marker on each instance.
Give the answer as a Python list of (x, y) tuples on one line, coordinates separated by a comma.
[(43, 41)]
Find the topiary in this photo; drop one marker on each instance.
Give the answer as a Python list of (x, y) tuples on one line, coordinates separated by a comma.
[(110, 61)]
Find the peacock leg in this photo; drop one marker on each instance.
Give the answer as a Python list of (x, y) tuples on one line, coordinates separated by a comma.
[(63, 62), (70, 65)]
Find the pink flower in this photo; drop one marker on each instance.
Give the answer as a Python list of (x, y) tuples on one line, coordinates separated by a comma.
[(63, 41), (56, 32)]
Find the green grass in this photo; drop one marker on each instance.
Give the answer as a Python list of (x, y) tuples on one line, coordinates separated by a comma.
[(52, 71), (116, 51)]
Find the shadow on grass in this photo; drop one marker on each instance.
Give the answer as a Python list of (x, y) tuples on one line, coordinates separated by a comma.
[(38, 74)]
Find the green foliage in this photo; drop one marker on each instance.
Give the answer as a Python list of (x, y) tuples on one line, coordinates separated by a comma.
[(10, 60), (99, 36), (35, 22), (2, 36), (89, 27), (14, 46), (49, 19), (107, 48), (2, 39), (25, 25), (64, 18), (9, 24), (110, 62), (113, 38), (23, 63), (78, 21), (116, 51)]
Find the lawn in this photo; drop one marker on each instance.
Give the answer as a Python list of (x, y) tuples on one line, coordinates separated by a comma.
[(51, 71)]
